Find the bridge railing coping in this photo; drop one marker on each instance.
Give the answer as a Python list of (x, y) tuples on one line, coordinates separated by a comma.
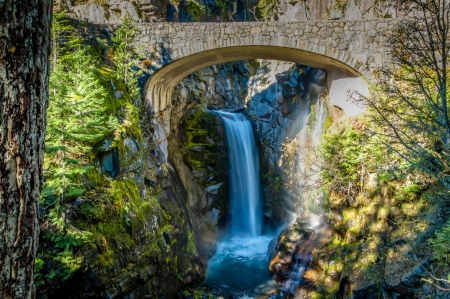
[(271, 23)]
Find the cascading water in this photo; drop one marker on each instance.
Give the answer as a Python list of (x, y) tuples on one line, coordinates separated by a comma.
[(315, 195), (241, 260), (244, 176), (311, 196)]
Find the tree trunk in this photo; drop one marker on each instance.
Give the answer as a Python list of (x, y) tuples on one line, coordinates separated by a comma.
[(24, 72)]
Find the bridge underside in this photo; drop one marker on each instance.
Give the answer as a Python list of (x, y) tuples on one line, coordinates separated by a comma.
[(158, 89)]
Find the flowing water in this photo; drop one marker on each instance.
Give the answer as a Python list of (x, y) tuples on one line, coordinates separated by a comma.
[(241, 261), (241, 265), (244, 176), (308, 141)]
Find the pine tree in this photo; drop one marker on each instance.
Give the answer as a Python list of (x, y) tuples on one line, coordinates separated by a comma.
[(85, 109), (77, 122), (76, 115), (124, 54)]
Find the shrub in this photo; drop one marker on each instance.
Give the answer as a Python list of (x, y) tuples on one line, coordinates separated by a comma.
[(441, 245)]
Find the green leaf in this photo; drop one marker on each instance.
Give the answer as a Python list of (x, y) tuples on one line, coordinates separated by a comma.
[(75, 192), (53, 149)]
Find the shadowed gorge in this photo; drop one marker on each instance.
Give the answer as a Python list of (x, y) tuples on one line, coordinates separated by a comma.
[(244, 149)]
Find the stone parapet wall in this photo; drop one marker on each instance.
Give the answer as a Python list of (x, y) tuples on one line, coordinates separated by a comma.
[(354, 47), (361, 45)]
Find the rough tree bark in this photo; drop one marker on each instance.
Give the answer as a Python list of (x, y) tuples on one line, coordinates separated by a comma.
[(24, 72)]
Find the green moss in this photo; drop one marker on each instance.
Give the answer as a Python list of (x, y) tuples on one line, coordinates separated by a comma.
[(122, 108), (195, 129), (126, 191), (312, 116), (328, 123), (95, 177), (254, 63), (191, 248), (194, 10), (409, 192), (106, 218)]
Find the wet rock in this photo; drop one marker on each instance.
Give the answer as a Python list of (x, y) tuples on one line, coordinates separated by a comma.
[(367, 292), (109, 163), (344, 288), (285, 108), (131, 147), (118, 94), (184, 92), (294, 77), (200, 174), (207, 71), (106, 146), (161, 153), (404, 284), (159, 134), (93, 13), (413, 277), (197, 148), (148, 272), (260, 110), (213, 189)]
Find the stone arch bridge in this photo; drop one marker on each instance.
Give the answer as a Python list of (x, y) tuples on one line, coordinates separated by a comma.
[(343, 48)]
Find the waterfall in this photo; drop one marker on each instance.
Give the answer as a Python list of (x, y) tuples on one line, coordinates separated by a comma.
[(308, 141), (318, 78), (245, 199), (240, 262)]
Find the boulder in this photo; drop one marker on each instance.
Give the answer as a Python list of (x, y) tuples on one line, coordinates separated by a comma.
[(213, 189)]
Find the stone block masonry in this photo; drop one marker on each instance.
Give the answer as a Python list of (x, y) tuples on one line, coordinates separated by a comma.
[(353, 47)]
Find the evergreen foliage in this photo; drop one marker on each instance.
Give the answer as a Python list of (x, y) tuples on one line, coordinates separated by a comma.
[(347, 156), (89, 103), (76, 116), (269, 9), (441, 245), (124, 54), (195, 10), (198, 10), (76, 122)]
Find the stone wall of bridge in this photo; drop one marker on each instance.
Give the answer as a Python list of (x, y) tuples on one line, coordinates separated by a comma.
[(175, 50)]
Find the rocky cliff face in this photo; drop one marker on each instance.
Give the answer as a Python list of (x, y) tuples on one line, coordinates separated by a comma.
[(173, 182), (196, 142), (336, 9), (283, 103), (113, 11)]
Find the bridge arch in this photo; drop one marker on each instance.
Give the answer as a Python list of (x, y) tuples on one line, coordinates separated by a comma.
[(342, 48)]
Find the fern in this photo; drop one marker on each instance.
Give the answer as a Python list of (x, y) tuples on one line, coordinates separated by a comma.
[(70, 264)]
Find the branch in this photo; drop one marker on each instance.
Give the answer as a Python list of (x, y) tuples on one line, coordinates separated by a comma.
[(436, 279)]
